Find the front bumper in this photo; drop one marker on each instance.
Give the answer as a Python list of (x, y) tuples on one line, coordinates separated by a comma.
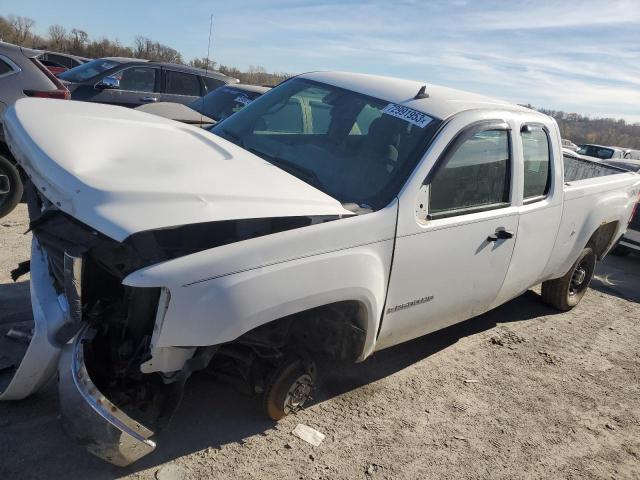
[(88, 416), (93, 420), (38, 365), (631, 240)]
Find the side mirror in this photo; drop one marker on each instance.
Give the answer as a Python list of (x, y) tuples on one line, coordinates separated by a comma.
[(108, 83)]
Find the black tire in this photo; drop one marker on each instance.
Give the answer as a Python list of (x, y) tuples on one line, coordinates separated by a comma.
[(289, 388), (9, 180), (566, 292), (620, 251)]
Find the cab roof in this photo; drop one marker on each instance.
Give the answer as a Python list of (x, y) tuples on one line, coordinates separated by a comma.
[(442, 102)]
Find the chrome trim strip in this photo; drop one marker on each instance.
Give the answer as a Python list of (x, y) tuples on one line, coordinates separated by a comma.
[(101, 404)]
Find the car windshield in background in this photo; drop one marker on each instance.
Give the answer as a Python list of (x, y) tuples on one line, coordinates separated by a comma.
[(223, 102), (87, 70), (356, 148), (597, 152)]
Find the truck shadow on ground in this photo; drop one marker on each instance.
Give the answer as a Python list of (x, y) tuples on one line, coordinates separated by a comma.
[(619, 276), (214, 415)]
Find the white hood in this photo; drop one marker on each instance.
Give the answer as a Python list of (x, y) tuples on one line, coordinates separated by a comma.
[(122, 171)]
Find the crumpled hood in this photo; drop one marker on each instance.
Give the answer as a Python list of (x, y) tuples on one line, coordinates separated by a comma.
[(121, 171)]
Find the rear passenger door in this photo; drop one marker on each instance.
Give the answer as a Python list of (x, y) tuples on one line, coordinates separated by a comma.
[(181, 87), (539, 198)]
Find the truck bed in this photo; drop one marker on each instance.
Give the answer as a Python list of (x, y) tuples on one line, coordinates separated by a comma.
[(582, 169)]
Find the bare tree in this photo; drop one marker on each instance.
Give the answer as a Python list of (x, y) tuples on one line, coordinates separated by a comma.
[(21, 28), (6, 31), (203, 63), (57, 38), (78, 40)]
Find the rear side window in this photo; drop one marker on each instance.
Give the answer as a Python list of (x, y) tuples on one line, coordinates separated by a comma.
[(62, 60), (212, 83), (475, 175), (537, 162), (4, 67), (179, 83)]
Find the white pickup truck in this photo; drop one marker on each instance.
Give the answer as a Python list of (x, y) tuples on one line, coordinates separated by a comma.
[(336, 215)]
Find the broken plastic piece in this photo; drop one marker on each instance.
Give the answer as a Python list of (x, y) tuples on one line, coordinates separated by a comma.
[(308, 434)]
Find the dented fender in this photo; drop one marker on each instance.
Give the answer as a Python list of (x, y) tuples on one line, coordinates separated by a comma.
[(217, 295)]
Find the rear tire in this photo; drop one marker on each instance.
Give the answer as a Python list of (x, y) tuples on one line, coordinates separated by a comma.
[(9, 180), (289, 388), (566, 292)]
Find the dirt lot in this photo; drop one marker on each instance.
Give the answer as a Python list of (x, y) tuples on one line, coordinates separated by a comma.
[(521, 392)]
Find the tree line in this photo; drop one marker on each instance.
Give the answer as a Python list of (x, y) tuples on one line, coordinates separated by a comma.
[(602, 131), (20, 31)]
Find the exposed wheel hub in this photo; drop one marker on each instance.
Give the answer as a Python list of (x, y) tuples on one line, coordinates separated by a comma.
[(299, 393)]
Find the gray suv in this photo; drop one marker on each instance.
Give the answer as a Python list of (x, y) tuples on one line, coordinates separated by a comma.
[(130, 82), (21, 75)]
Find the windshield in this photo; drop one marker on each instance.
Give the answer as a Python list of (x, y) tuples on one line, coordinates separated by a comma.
[(356, 148), (87, 70), (223, 102), (595, 151)]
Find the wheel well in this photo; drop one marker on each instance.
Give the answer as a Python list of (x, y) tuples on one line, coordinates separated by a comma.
[(602, 238), (337, 330), (6, 153)]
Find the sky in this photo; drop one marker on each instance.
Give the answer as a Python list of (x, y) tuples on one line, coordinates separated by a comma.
[(579, 56)]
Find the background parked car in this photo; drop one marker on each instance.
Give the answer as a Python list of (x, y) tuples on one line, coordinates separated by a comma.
[(210, 109), (600, 151), (21, 75), (569, 144), (630, 242), (130, 82), (61, 62)]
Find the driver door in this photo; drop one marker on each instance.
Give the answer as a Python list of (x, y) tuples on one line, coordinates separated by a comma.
[(452, 256)]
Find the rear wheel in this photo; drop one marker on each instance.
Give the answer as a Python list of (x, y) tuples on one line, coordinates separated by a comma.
[(289, 388), (566, 292), (10, 187)]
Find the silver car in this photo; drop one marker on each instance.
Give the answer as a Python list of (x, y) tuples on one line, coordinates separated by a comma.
[(21, 75)]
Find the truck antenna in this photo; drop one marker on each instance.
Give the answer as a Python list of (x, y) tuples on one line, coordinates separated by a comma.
[(206, 66), (422, 93)]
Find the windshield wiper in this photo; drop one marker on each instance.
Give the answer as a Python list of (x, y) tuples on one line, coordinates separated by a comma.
[(290, 167), (233, 136)]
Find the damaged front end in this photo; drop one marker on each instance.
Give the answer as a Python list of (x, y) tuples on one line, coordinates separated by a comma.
[(98, 333)]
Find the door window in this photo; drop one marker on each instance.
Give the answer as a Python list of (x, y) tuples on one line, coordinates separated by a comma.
[(4, 67), (537, 162), (474, 176), (213, 83), (137, 79), (179, 83)]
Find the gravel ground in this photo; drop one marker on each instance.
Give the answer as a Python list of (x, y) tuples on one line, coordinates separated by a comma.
[(520, 392)]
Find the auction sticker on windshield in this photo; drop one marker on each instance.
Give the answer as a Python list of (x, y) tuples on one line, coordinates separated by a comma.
[(243, 100), (408, 114)]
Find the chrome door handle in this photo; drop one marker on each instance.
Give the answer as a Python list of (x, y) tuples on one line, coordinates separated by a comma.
[(500, 234), (149, 99)]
